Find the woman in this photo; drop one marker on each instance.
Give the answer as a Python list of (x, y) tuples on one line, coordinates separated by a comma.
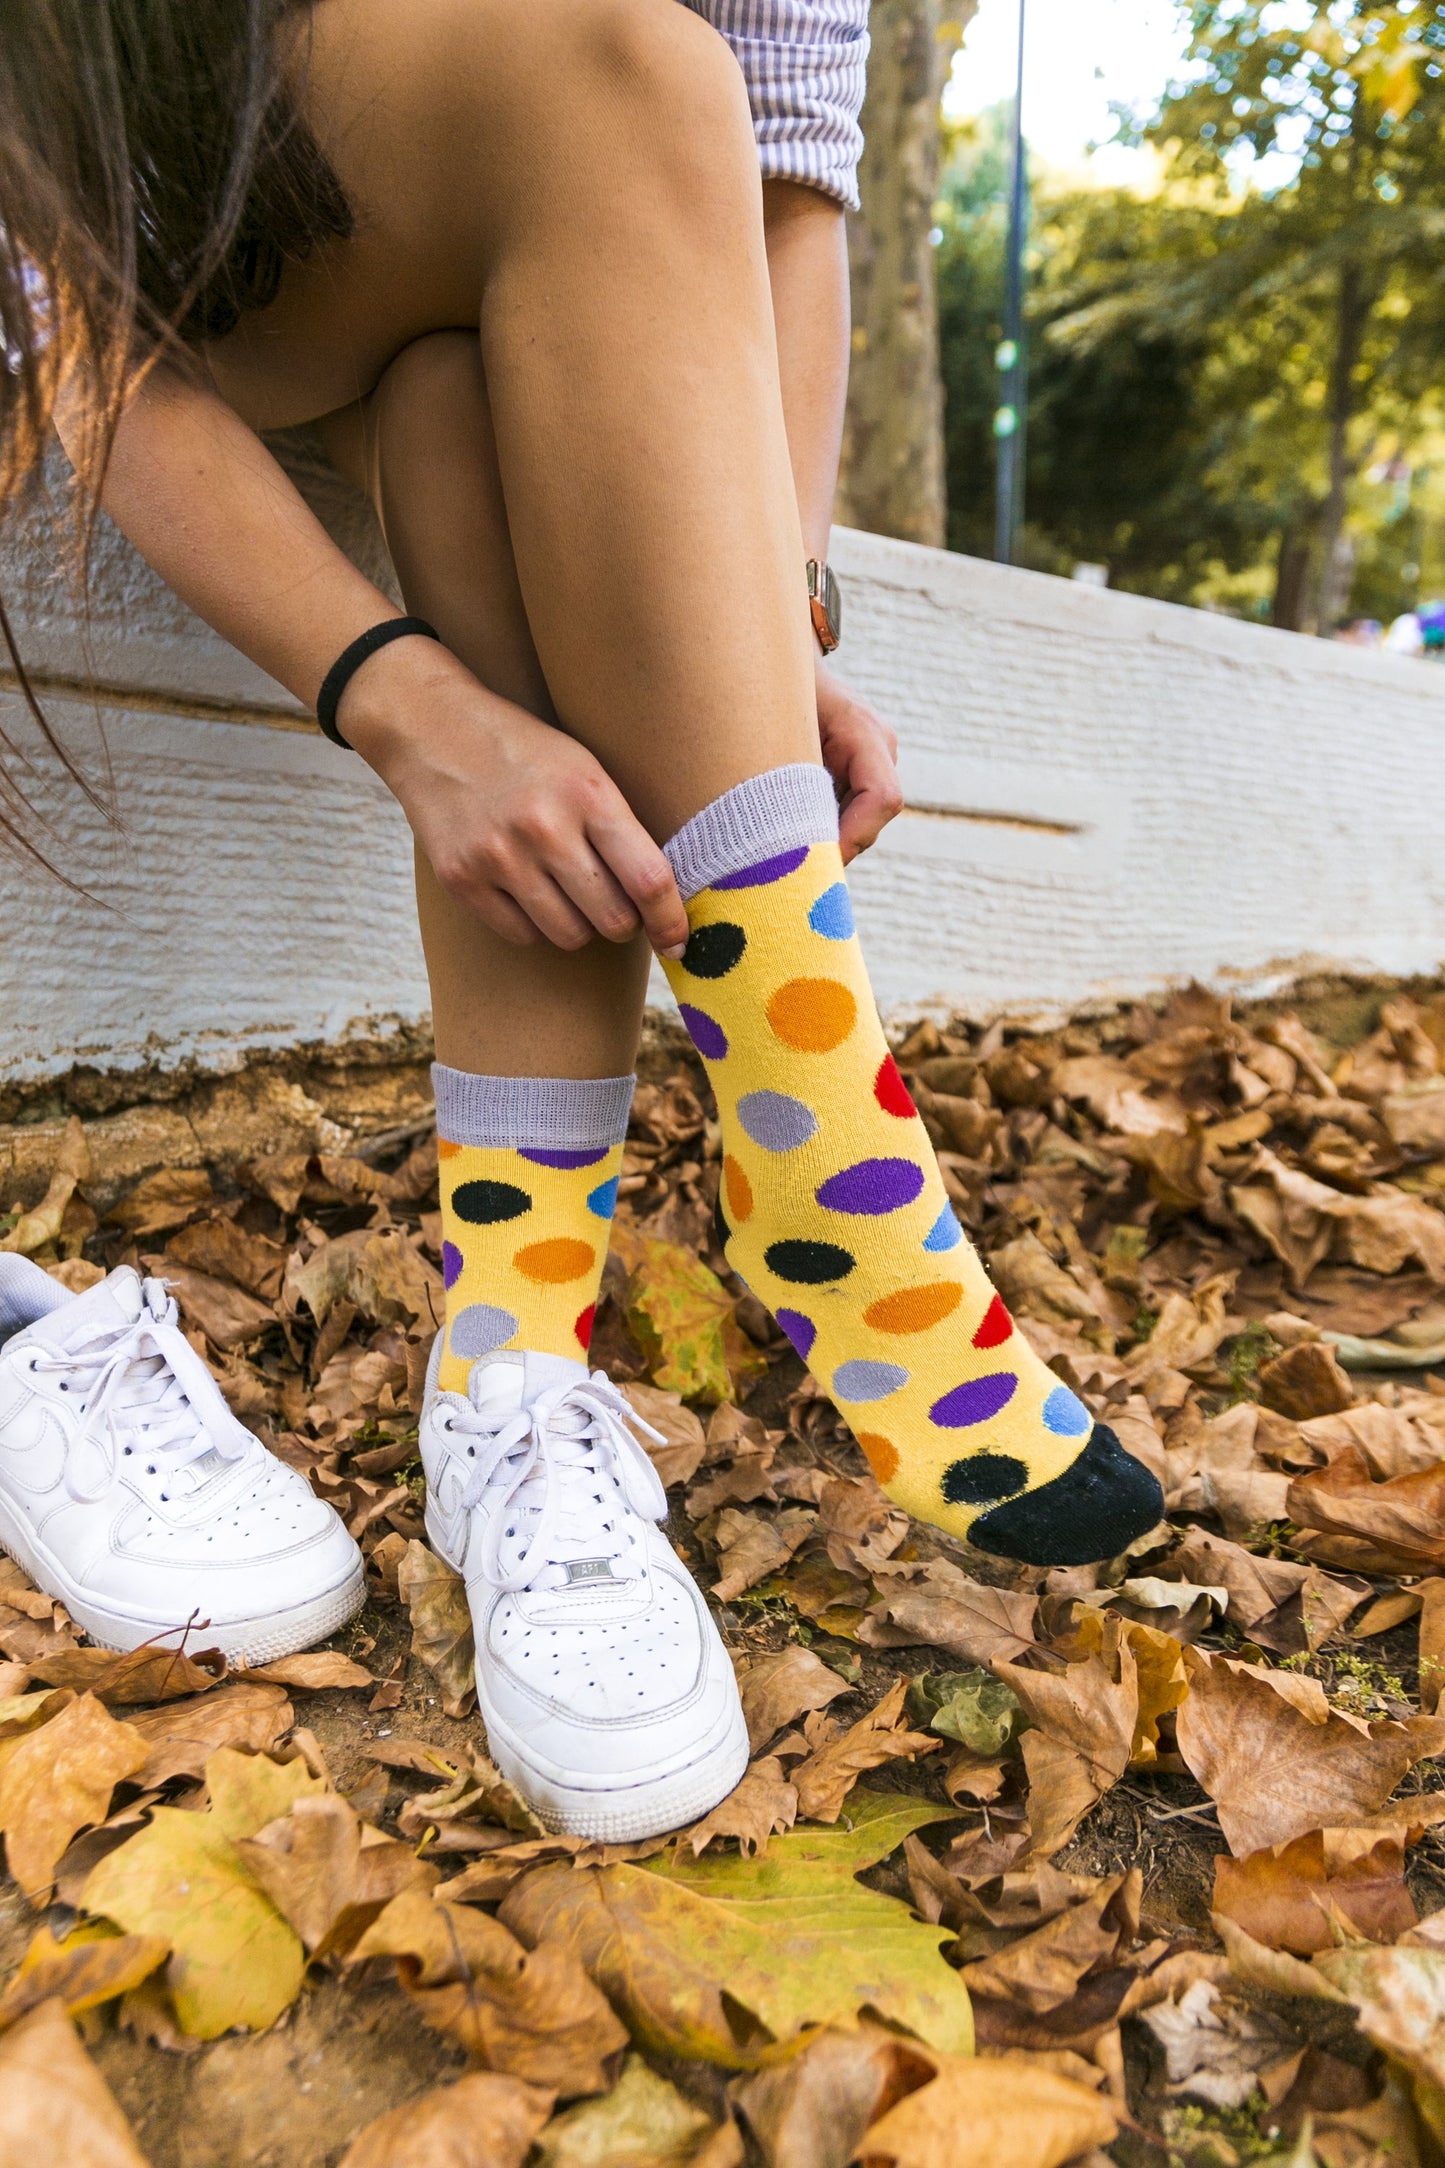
[(513, 256)]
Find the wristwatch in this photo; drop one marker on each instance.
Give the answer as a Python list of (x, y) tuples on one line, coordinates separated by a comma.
[(825, 602)]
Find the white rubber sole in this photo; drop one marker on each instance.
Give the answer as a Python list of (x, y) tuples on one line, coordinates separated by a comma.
[(623, 1813), (243, 1641)]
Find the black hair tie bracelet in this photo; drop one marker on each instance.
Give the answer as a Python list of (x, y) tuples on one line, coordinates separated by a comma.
[(350, 660)]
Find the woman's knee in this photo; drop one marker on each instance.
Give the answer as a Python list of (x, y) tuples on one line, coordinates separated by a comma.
[(674, 88)]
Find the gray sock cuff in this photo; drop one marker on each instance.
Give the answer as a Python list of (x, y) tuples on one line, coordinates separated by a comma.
[(560, 1113), (754, 821)]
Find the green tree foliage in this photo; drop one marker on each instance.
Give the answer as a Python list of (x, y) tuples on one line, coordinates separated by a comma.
[(1217, 369)]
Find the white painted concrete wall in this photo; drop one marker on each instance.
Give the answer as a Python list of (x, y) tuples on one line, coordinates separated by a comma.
[(1106, 795)]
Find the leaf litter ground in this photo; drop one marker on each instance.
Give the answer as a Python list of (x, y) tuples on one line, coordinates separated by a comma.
[(1166, 1838)]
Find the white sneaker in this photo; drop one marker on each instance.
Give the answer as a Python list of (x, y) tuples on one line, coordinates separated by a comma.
[(129, 1490), (607, 1694)]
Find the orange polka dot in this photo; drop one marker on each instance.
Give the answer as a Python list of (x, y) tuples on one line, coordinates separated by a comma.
[(550, 1263), (812, 1015), (914, 1309), (445, 1150), (881, 1455), (739, 1189)]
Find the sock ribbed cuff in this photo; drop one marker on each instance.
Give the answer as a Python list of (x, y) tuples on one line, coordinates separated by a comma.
[(762, 818), (561, 1112)]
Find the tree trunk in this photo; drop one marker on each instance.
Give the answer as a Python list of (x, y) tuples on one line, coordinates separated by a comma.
[(1291, 580), (1337, 557), (893, 468)]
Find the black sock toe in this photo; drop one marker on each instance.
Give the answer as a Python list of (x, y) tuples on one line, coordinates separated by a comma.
[(1095, 1509)]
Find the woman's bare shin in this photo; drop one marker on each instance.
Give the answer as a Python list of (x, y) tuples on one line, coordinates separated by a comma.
[(422, 448)]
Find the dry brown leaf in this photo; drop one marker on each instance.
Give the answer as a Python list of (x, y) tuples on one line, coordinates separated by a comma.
[(181, 1736), (533, 2013), (1276, 1772), (163, 1200), (812, 2111), (678, 1459), (1288, 1896), (141, 1675), (776, 1690), (33, 1230), (1043, 1969), (1188, 1330), (484, 2120), (312, 1671), (1432, 1643), (327, 1875), (224, 1251), (83, 1971), (441, 1624), (1305, 1221), (753, 1545), (989, 2113), (937, 1604), (762, 1805), (226, 1314), (1401, 1522), (1216, 2047), (54, 2105), (1306, 1381), (824, 1780), (58, 1780)]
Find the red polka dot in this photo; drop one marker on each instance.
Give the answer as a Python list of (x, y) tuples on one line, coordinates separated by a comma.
[(996, 1326), (583, 1326), (890, 1090)]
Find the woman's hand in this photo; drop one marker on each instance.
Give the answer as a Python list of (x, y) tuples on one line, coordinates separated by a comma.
[(861, 754), (518, 820)]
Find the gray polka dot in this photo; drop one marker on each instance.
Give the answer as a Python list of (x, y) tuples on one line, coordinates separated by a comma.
[(868, 1381), (481, 1329), (776, 1121)]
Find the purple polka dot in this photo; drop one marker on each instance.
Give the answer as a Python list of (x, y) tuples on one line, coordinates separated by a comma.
[(874, 1186), (549, 1158), (709, 1038), (765, 871), (451, 1264), (799, 1329), (974, 1402)]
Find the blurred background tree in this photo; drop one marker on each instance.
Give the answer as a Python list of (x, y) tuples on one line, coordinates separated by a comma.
[(1235, 393)]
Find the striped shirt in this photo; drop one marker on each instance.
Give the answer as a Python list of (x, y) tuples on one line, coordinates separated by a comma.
[(805, 63)]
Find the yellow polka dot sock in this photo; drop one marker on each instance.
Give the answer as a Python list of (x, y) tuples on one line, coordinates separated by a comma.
[(833, 1211), (529, 1171)]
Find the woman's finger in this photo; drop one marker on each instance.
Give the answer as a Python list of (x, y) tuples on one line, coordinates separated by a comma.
[(875, 796), (553, 914), (598, 896), (645, 875)]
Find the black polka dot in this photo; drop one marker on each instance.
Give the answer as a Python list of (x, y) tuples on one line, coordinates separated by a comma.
[(483, 1204), (982, 1478), (811, 1263), (712, 951), (721, 1228)]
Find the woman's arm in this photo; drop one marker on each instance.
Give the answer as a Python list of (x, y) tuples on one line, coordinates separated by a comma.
[(516, 818), (808, 270)]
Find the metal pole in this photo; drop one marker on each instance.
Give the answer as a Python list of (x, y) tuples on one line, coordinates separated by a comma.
[(1010, 361)]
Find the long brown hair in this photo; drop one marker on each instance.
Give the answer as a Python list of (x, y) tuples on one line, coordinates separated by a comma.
[(156, 177)]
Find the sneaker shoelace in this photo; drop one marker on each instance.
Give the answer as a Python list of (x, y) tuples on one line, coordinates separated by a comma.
[(541, 1472), (144, 1389)]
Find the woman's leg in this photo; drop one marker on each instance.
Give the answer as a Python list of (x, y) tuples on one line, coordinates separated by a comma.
[(421, 447), (631, 367)]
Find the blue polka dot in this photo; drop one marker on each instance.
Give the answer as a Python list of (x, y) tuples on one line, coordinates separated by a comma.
[(945, 1233), (832, 914), (603, 1199), (868, 1381), (1066, 1416)]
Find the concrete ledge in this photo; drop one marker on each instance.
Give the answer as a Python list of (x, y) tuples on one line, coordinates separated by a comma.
[(1106, 795)]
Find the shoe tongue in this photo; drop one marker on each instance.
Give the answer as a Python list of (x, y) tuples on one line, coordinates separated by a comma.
[(110, 1305), (504, 1383)]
